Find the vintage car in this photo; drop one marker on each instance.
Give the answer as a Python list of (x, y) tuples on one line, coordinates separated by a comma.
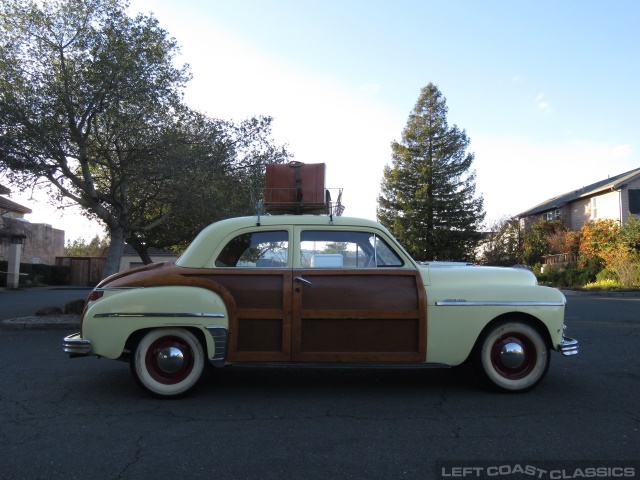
[(306, 290)]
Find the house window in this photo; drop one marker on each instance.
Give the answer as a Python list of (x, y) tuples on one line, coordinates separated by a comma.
[(550, 215), (634, 201), (594, 208)]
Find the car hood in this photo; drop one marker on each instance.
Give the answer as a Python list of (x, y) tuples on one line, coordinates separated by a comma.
[(454, 274), (467, 285)]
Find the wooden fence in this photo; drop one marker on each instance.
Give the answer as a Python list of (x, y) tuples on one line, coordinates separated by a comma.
[(83, 271)]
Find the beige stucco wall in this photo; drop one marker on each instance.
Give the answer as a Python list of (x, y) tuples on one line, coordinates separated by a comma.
[(42, 244)]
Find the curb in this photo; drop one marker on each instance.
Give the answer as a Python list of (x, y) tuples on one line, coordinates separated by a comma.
[(22, 324), (569, 293)]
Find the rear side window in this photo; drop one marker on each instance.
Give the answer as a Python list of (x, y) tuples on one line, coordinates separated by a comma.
[(256, 250), (340, 249)]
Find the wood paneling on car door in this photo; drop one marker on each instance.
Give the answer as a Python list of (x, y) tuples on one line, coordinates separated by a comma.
[(359, 315), (261, 330)]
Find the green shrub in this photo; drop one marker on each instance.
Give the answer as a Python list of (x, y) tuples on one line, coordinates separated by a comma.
[(606, 276), (59, 275), (606, 284), (37, 274), (592, 267)]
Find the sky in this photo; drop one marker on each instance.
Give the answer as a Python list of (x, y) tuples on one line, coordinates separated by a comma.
[(547, 91)]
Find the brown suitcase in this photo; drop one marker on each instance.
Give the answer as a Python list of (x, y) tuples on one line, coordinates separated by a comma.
[(296, 188)]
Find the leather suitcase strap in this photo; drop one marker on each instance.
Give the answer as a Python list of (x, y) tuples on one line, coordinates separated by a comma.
[(296, 166)]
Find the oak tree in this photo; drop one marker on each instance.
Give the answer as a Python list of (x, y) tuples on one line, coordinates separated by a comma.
[(91, 106)]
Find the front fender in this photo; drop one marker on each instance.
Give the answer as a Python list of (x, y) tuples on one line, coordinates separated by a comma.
[(456, 315), (110, 321)]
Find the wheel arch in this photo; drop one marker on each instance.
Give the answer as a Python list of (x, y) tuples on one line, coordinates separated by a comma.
[(522, 317), (136, 336)]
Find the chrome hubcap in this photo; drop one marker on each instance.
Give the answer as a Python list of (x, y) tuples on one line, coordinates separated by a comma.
[(512, 355), (170, 359)]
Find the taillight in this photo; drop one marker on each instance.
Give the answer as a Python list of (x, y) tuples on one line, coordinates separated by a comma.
[(95, 295)]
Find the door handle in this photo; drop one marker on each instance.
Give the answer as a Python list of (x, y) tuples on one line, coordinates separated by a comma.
[(302, 280)]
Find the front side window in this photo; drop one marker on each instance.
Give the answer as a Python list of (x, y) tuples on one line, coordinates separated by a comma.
[(340, 249), (255, 250)]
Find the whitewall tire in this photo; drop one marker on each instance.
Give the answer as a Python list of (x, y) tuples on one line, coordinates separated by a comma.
[(168, 361), (513, 356)]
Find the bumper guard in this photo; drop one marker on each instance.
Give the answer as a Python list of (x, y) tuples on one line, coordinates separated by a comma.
[(568, 346), (76, 346)]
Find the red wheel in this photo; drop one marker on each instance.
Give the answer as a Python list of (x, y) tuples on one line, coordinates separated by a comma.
[(168, 362), (513, 356)]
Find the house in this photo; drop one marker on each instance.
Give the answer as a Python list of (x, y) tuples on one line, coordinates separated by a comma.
[(40, 242), (21, 241), (9, 209), (131, 259), (615, 198)]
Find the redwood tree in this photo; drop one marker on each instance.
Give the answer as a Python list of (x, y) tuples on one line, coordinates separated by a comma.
[(428, 198)]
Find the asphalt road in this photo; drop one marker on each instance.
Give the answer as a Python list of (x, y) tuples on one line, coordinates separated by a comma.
[(85, 418)]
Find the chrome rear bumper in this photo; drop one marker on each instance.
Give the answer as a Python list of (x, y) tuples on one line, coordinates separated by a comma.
[(76, 346), (568, 346)]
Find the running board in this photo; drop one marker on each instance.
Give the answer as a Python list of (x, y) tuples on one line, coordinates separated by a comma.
[(342, 365)]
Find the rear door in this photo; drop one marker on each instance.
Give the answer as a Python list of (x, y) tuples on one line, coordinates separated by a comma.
[(255, 268)]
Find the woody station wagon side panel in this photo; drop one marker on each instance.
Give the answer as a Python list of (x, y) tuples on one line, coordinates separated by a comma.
[(312, 289)]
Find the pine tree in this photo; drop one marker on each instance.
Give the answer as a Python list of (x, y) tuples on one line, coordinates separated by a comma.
[(428, 194)]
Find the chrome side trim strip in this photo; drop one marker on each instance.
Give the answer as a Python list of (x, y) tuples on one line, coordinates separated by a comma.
[(106, 289), (220, 337), (161, 315), (465, 303)]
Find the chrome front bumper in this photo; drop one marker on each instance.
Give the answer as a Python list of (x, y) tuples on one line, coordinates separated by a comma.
[(76, 346), (568, 346)]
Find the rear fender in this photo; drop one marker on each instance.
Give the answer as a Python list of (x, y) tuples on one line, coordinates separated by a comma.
[(110, 321)]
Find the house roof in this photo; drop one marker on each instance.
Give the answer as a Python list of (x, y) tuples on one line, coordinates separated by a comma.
[(4, 190), (6, 204), (611, 183)]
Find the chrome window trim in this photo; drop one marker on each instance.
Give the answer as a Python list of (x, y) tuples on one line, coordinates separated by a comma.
[(162, 315)]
